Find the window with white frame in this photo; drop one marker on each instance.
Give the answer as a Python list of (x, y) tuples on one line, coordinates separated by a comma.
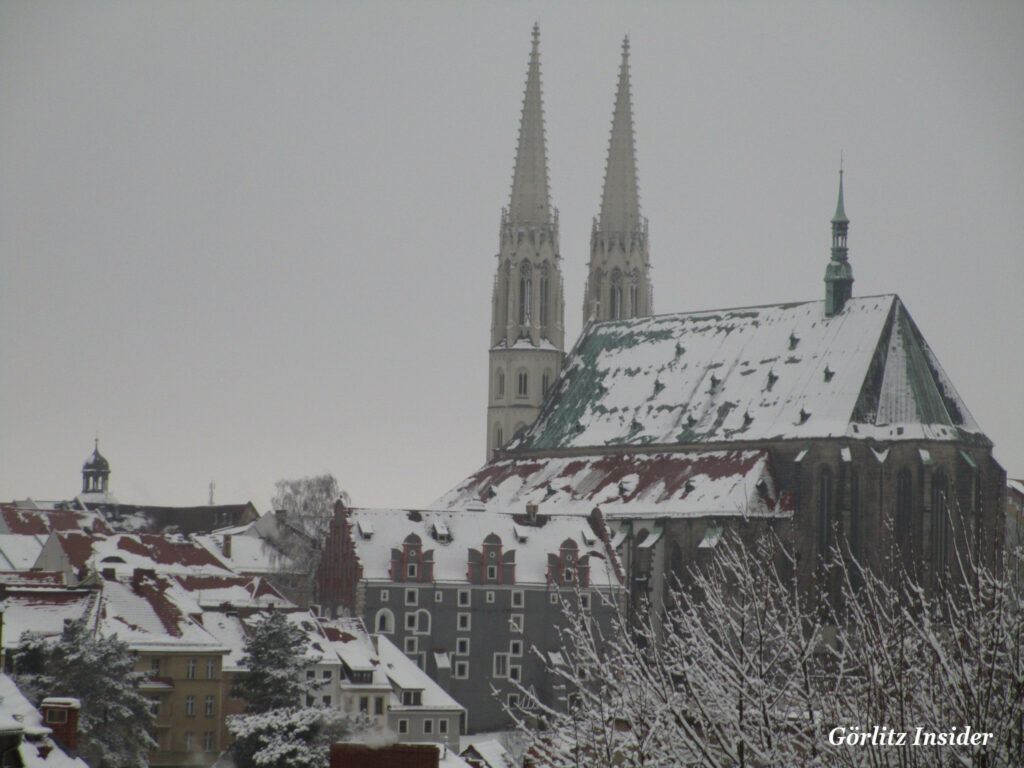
[(191, 671), (411, 597), (428, 726), (517, 598), (403, 726), (462, 646), (489, 597), (190, 705), (500, 668), (190, 740), (208, 741), (410, 571), (442, 725), (515, 623), (515, 648), (411, 645), (385, 621), (464, 621), (461, 671), (515, 672), (438, 596), (410, 621), (492, 573), (463, 597), (553, 598), (211, 668), (585, 601), (384, 595), (326, 701), (209, 706), (512, 700)]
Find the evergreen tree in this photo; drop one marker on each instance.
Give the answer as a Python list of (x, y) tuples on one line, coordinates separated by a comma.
[(279, 732), (275, 664), (115, 719)]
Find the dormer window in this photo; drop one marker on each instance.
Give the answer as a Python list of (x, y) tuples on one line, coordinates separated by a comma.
[(411, 571)]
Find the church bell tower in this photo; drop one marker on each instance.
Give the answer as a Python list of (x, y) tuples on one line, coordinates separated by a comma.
[(527, 311), (619, 281)]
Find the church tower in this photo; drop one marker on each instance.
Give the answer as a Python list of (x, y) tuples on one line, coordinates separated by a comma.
[(619, 284), (838, 273), (527, 311)]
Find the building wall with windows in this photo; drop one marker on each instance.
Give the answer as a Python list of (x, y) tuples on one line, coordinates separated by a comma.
[(468, 595)]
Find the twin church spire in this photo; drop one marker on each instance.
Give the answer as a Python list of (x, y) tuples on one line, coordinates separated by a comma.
[(528, 311)]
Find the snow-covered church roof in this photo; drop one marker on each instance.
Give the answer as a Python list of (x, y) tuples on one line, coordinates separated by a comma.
[(757, 373), (663, 484)]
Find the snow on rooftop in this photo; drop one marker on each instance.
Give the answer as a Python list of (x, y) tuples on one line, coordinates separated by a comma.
[(404, 673), (17, 715), (664, 484), (756, 373), (125, 552), (20, 552), (42, 610), (467, 530), (152, 613), (249, 554)]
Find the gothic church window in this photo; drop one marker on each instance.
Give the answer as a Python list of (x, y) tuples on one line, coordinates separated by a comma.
[(544, 300), (940, 521), (525, 294), (499, 384), (522, 384), (545, 382), (498, 441), (904, 509), (826, 497)]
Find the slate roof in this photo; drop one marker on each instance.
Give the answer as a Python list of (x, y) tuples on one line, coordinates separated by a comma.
[(781, 371), (388, 528), (667, 484)]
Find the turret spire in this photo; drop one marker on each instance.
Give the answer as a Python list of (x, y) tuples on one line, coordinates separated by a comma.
[(620, 202), (529, 205), (839, 273)]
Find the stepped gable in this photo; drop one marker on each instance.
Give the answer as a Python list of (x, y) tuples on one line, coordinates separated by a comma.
[(773, 372)]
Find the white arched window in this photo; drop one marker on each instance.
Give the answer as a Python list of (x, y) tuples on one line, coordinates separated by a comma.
[(384, 621)]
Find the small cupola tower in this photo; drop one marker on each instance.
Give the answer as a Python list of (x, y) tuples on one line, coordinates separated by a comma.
[(839, 273), (95, 472)]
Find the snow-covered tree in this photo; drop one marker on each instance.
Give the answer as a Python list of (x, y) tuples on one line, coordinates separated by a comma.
[(308, 504), (742, 670), (275, 662), (288, 738), (115, 719), (279, 732)]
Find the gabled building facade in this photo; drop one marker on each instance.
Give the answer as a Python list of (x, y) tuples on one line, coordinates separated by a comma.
[(467, 594)]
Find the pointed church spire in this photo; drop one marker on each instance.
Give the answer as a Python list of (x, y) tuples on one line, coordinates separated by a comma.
[(620, 201), (529, 205), (839, 273)]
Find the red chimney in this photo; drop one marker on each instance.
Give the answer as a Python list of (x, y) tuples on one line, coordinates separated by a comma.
[(60, 715)]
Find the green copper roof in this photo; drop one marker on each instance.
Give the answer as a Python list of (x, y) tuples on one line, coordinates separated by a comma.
[(840, 216)]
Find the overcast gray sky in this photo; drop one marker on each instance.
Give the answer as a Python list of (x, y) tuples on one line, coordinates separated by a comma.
[(254, 240)]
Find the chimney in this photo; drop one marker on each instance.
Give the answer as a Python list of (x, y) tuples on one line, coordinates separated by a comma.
[(225, 546), (60, 715)]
